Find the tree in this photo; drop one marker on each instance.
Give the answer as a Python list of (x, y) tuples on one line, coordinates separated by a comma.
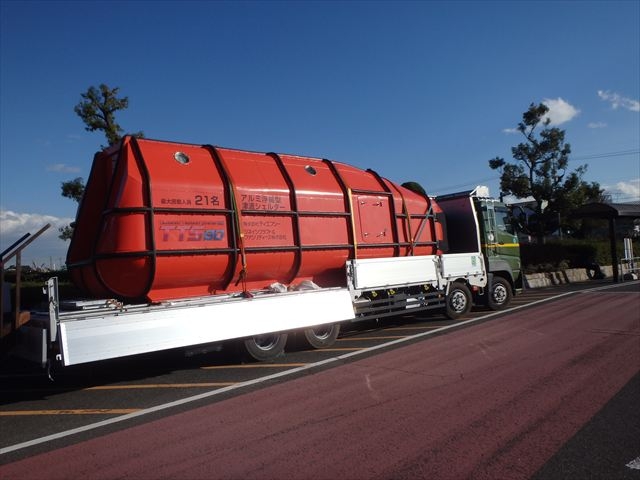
[(97, 110), (540, 172), (73, 189)]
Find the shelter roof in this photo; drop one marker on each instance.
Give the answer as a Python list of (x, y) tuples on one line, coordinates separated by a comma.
[(608, 210)]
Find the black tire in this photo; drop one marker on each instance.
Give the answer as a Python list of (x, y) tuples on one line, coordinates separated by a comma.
[(266, 347), (458, 300), (322, 336), (499, 294)]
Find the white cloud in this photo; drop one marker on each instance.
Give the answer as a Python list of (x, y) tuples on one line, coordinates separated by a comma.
[(631, 188), (597, 125), (62, 167), (628, 191), (47, 249), (618, 101), (560, 111)]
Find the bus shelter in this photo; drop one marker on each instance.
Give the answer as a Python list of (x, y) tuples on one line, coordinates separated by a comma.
[(610, 212)]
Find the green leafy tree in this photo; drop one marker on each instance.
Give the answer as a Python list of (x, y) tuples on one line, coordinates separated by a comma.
[(97, 110), (66, 232), (540, 172), (73, 189)]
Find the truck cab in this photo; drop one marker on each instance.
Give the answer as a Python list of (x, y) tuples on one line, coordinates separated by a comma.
[(477, 222)]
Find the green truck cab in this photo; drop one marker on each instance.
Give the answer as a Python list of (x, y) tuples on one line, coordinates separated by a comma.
[(475, 221)]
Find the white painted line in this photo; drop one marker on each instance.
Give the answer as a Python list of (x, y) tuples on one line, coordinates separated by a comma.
[(613, 285), (634, 464), (219, 391)]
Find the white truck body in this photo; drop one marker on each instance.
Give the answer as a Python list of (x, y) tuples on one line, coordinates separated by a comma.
[(102, 330), (105, 329)]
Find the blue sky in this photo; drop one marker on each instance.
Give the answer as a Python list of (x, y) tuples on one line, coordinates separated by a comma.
[(426, 91)]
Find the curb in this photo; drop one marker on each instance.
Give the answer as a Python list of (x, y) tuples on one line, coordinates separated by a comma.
[(561, 277)]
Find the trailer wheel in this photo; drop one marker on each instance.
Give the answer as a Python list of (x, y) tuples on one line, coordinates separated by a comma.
[(499, 294), (266, 347), (458, 300), (322, 336)]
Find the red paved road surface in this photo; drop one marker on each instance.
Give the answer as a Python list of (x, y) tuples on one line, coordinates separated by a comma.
[(493, 401)]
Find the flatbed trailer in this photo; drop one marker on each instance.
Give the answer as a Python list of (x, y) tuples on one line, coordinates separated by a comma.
[(74, 332), (180, 246)]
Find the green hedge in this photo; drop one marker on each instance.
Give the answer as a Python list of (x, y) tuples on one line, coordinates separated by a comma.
[(30, 276), (571, 253), (33, 282), (32, 296)]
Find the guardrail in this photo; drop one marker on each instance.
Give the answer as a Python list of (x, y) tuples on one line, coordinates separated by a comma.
[(14, 319)]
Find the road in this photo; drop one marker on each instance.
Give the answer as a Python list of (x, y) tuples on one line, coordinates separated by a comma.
[(540, 391)]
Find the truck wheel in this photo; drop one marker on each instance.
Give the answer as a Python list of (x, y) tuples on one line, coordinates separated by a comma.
[(499, 294), (458, 300), (266, 347), (322, 336)]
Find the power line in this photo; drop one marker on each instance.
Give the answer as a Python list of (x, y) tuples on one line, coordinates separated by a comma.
[(596, 156), (472, 183)]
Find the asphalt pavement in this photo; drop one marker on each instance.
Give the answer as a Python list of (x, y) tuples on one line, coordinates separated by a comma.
[(547, 391)]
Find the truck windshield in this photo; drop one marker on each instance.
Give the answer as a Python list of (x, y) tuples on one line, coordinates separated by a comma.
[(503, 220)]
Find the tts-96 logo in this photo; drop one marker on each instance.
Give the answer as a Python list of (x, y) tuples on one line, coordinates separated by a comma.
[(190, 233)]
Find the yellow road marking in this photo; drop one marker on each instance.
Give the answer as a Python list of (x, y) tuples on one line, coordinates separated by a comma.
[(161, 385), (500, 245), (423, 327), (86, 411), (349, 339), (337, 349)]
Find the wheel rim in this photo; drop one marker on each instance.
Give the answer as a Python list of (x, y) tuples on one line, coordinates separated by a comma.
[(322, 333), (266, 342), (499, 294), (458, 301)]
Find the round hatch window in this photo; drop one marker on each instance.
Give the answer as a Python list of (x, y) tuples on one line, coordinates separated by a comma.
[(182, 158)]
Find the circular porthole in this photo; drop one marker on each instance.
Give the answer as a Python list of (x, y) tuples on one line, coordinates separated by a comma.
[(182, 158), (310, 170)]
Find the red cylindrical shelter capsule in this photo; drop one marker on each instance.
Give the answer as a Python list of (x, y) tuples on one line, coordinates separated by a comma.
[(162, 220)]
